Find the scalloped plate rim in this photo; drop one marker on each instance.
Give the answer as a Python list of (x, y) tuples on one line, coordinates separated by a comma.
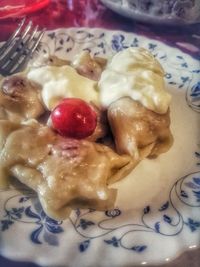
[(125, 33)]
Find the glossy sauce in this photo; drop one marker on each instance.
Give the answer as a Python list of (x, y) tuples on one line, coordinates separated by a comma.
[(59, 82), (137, 74)]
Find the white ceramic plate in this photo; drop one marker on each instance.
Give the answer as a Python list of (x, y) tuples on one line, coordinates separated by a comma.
[(176, 12), (157, 214)]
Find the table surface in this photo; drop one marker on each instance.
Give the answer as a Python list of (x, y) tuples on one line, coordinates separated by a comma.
[(91, 13)]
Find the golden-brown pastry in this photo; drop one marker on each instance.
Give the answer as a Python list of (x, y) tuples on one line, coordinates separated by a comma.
[(138, 131), (19, 99), (66, 173), (132, 115), (88, 66)]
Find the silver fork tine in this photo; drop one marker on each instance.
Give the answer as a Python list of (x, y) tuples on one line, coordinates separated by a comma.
[(31, 51), (12, 37), (19, 48), (16, 44), (38, 40), (22, 51)]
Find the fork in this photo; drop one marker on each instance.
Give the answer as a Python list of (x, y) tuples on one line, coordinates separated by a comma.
[(15, 52)]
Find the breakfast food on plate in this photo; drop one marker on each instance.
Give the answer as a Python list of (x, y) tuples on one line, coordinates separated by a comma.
[(66, 80), (20, 99), (138, 105), (88, 66), (134, 73), (138, 131), (66, 173), (69, 129)]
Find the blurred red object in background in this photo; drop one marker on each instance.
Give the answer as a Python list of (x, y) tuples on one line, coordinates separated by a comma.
[(13, 8), (93, 14)]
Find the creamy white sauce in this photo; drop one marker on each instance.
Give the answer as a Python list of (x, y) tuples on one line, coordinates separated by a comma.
[(134, 72), (61, 82)]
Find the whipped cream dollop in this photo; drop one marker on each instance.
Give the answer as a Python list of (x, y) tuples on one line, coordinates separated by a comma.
[(135, 73), (60, 82)]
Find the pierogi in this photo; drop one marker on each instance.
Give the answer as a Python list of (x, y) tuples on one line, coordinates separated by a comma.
[(127, 94)]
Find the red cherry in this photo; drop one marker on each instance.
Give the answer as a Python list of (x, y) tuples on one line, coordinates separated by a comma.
[(74, 118)]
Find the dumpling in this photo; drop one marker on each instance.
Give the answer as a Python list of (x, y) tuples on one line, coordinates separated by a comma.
[(66, 173), (88, 66), (19, 99), (138, 131), (6, 127)]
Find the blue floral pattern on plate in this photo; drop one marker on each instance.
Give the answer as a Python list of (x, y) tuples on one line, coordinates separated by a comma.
[(187, 190), (114, 230), (44, 227)]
